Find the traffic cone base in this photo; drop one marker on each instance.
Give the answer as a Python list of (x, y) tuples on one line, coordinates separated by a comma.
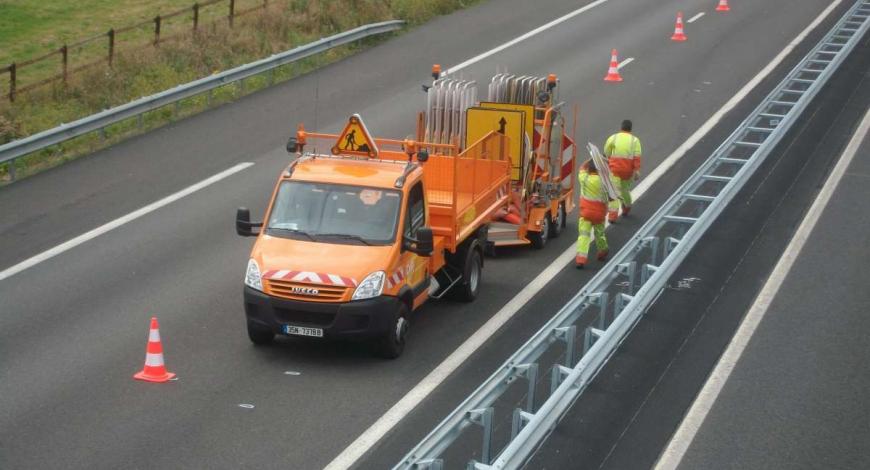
[(723, 6), (679, 34), (613, 71), (155, 369)]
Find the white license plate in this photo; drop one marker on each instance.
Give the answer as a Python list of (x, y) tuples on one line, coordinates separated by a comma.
[(303, 331)]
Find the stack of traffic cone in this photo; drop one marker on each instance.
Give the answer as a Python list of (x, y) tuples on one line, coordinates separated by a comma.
[(613, 71), (154, 370), (723, 6), (679, 35)]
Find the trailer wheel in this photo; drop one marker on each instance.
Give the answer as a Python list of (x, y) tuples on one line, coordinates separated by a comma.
[(472, 273), (563, 212), (539, 239), (392, 344), (259, 334), (559, 223)]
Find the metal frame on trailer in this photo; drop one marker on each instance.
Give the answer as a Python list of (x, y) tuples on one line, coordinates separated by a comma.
[(592, 325)]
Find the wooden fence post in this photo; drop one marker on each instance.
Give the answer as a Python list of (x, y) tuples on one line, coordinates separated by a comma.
[(195, 16), (111, 35), (157, 30), (64, 54), (12, 78), (232, 11)]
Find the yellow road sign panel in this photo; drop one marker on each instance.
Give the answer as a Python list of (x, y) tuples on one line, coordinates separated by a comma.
[(528, 109), (482, 121), (355, 140)]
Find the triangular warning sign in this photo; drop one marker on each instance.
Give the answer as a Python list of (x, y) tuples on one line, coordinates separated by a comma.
[(355, 140)]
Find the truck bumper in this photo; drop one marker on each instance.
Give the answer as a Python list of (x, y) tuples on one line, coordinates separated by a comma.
[(360, 319)]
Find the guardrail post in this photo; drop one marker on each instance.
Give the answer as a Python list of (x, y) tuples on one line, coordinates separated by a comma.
[(520, 418), (232, 12), (559, 372), (430, 464), (590, 336), (653, 244), (483, 418), (157, 30), (195, 16), (11, 167), (567, 334), (65, 60), (627, 270), (530, 373), (111, 35), (600, 299), (12, 80), (670, 244)]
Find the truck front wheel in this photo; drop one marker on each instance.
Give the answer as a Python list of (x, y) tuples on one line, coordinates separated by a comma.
[(391, 345), (259, 334)]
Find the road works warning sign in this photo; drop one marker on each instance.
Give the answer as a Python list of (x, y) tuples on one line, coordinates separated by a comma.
[(482, 121), (355, 140)]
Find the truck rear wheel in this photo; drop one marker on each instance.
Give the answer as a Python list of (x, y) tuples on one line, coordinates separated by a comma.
[(472, 269), (391, 345), (539, 239), (259, 334)]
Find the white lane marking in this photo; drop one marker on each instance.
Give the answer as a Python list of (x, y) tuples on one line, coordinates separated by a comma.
[(696, 17), (525, 36), (715, 118), (70, 244), (420, 391), (624, 63), (682, 439)]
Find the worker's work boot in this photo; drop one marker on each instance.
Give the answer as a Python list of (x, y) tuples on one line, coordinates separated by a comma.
[(602, 255), (580, 261), (612, 216), (626, 210)]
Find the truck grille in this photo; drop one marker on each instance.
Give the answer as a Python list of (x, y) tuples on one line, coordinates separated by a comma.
[(296, 291)]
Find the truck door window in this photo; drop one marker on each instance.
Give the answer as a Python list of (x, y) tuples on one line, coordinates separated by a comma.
[(416, 216)]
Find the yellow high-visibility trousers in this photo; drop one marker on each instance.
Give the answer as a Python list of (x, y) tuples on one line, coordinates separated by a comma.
[(624, 188), (585, 229)]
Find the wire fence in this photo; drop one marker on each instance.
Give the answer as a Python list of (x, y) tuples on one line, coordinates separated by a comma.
[(36, 72)]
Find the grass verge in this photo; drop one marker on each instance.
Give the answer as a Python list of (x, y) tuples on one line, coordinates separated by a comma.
[(144, 71)]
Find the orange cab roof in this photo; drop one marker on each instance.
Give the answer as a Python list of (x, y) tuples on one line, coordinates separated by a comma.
[(374, 173)]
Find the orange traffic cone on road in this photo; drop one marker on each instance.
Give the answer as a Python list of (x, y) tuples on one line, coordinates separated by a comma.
[(723, 6), (679, 35), (154, 370), (613, 71)]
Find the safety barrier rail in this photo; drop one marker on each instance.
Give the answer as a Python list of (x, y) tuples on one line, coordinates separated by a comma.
[(582, 336), (19, 148)]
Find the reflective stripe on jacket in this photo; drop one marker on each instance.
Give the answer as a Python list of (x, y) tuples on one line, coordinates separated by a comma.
[(623, 154), (593, 197)]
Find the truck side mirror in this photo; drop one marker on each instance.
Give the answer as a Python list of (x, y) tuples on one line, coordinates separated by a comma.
[(292, 145), (244, 225), (423, 244)]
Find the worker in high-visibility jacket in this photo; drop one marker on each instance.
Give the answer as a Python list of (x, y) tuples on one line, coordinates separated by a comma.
[(623, 157), (593, 210)]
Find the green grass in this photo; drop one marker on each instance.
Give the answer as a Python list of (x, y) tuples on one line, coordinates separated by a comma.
[(147, 70)]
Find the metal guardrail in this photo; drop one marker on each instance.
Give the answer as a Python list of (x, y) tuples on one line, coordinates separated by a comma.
[(18, 148), (601, 315)]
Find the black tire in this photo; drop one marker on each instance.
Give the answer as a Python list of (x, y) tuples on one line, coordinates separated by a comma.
[(564, 212), (259, 334), (472, 273), (558, 224), (391, 345), (539, 239)]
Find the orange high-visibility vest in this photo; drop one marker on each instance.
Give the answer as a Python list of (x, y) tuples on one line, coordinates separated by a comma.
[(623, 154), (593, 197)]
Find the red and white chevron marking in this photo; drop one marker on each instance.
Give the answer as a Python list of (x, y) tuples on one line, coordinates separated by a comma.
[(309, 277), (398, 276)]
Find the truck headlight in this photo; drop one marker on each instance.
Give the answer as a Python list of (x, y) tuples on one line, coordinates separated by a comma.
[(371, 286), (252, 276)]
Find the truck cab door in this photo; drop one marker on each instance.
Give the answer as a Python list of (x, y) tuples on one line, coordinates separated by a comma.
[(413, 265)]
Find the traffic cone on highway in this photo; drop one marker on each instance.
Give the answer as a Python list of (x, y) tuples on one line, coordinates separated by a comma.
[(613, 71), (154, 370), (723, 6), (679, 35)]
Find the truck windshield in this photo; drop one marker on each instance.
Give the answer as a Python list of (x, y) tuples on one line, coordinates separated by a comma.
[(334, 213)]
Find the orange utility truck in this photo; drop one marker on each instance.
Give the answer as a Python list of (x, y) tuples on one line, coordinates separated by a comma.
[(353, 241)]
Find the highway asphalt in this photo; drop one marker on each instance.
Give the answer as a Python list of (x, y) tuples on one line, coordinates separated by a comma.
[(73, 328)]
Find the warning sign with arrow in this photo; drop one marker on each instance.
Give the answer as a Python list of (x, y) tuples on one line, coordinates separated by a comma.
[(482, 121), (355, 140)]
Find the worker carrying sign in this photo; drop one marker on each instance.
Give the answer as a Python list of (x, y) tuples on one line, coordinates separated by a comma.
[(623, 155)]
